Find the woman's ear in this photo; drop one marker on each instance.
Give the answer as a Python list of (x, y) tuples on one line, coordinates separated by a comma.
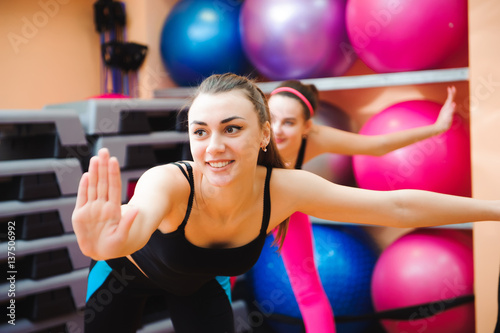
[(307, 127), (266, 133)]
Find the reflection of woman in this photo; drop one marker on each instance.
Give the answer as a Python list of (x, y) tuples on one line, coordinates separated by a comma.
[(190, 222), (299, 140)]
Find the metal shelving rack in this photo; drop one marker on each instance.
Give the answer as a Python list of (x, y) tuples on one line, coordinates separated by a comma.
[(351, 82)]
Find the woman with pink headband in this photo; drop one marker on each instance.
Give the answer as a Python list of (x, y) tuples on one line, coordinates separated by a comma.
[(292, 105)]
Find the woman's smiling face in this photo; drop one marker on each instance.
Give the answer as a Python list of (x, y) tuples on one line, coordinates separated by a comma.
[(225, 135)]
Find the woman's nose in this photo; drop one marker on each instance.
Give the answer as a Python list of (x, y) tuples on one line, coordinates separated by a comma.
[(276, 127), (216, 144)]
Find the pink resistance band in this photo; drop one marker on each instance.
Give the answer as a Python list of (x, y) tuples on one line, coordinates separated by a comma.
[(296, 93)]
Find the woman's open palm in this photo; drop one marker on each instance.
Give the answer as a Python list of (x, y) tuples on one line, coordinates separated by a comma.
[(97, 219), (445, 117)]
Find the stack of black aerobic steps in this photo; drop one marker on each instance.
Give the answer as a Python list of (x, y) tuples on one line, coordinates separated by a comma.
[(41, 156), (140, 133)]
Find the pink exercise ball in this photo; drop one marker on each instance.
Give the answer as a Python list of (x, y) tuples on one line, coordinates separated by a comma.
[(424, 266), (109, 96), (440, 163), (337, 168), (406, 35), (296, 39)]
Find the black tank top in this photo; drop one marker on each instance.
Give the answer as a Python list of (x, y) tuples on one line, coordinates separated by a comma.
[(181, 267), (300, 157)]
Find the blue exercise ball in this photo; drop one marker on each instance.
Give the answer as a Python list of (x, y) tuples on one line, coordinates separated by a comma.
[(200, 38), (345, 256)]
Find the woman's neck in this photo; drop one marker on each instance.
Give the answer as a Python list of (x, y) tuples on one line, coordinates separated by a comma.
[(290, 158), (226, 201)]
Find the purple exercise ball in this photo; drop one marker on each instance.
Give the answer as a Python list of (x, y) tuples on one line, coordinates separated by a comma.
[(440, 163), (406, 35), (296, 39)]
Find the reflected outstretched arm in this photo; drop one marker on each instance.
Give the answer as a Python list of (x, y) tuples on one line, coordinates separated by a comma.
[(332, 140)]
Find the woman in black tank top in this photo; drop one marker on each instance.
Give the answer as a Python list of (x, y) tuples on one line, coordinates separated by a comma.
[(299, 140), (189, 223)]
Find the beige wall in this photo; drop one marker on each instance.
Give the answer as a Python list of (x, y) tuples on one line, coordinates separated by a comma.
[(49, 52), (485, 123)]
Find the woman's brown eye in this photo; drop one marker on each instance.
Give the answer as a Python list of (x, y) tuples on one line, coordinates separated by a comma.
[(199, 132), (233, 129)]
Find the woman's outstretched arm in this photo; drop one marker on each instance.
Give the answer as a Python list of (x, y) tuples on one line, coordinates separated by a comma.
[(327, 139), (313, 195)]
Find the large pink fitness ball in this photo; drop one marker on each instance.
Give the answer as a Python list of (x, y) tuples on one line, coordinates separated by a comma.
[(429, 268), (440, 163), (406, 35)]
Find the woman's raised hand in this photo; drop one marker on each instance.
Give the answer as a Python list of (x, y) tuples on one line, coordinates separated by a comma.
[(98, 223), (445, 117)]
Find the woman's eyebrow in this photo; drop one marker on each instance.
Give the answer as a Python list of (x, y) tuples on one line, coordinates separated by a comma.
[(223, 121), (196, 122), (231, 119)]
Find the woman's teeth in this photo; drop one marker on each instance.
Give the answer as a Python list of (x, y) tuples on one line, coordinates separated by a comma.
[(218, 164)]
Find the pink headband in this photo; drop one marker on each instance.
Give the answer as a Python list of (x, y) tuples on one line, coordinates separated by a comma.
[(296, 93)]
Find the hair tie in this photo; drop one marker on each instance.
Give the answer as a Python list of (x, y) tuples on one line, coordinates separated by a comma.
[(296, 93)]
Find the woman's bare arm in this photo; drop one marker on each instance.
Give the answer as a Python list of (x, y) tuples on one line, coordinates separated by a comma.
[(303, 191), (324, 139)]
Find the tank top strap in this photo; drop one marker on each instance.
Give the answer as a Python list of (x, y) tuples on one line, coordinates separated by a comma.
[(189, 176), (266, 215), (300, 156), (178, 164)]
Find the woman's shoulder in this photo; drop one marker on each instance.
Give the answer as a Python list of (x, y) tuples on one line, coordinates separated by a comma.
[(285, 180), (166, 175), (169, 168), (286, 176)]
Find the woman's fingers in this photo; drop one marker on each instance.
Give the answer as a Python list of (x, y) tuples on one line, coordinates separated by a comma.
[(102, 174), (92, 175), (451, 93), (115, 182), (81, 196), (103, 180)]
